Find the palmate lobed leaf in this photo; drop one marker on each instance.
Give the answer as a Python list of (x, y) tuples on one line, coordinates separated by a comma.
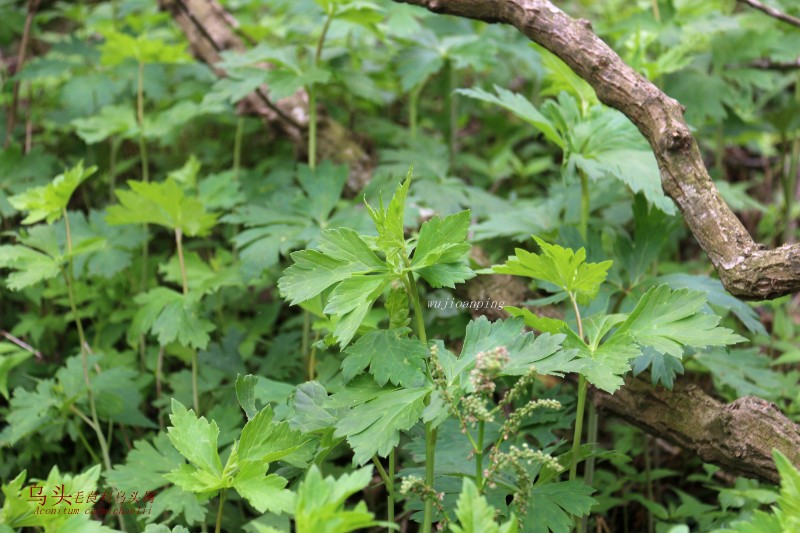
[(475, 515), (49, 201), (390, 355), (164, 204), (565, 268)]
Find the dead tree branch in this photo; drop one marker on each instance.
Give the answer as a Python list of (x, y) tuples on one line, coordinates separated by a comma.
[(746, 268), (772, 12), (738, 436)]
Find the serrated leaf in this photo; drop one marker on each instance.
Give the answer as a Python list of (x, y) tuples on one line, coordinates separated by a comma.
[(565, 268), (553, 505), (164, 204), (667, 320), (373, 427), (442, 240), (49, 201), (171, 316), (389, 221), (195, 439), (320, 503), (267, 493), (11, 356), (264, 442), (475, 515), (391, 356), (663, 368), (145, 465), (30, 266)]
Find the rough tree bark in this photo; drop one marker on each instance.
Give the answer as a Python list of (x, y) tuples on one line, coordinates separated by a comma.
[(738, 436), (211, 30), (746, 268)]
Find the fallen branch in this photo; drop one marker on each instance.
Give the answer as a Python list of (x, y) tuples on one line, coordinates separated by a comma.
[(746, 268), (772, 12), (739, 436), (211, 30)]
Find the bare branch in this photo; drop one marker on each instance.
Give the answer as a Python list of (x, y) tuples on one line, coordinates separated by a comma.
[(738, 436), (746, 268), (772, 12)]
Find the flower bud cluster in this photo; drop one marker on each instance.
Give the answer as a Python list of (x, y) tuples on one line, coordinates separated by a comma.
[(488, 366), (514, 421)]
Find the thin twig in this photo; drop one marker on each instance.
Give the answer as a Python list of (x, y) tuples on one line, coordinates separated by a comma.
[(22, 344), (765, 63), (33, 5), (772, 12)]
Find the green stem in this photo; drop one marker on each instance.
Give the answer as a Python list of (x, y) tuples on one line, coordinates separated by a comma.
[(413, 110), (308, 354), (584, 224), (656, 12), (390, 513), (69, 279), (588, 475), (185, 284), (430, 431), (312, 98), (648, 472), (452, 111), (430, 454), (582, 388), (218, 527), (479, 457), (237, 148), (140, 121)]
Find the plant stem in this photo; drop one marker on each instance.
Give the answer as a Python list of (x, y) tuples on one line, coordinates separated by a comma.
[(312, 98), (588, 475), (185, 283), (218, 527), (582, 388), (237, 148), (140, 122), (70, 280), (656, 12), (430, 431), (584, 224), (308, 354), (430, 454), (452, 110), (479, 457), (388, 481), (413, 109)]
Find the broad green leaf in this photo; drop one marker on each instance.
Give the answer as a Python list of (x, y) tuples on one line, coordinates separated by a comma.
[(391, 356), (32, 411), (667, 320), (373, 426), (604, 364), (520, 106), (142, 48), (553, 506), (342, 254), (663, 368), (267, 493), (195, 438), (442, 240), (30, 266), (145, 465), (263, 441), (565, 268), (389, 221), (746, 371), (171, 316), (475, 515), (49, 201), (112, 120), (541, 323), (164, 204), (320, 503)]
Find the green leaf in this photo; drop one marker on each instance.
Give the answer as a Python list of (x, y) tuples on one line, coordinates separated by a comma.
[(49, 201), (112, 120), (553, 506), (389, 221), (145, 465), (441, 240), (245, 393), (663, 368), (391, 356), (164, 204), (265, 442), (342, 254), (266, 493), (667, 320), (747, 372), (604, 364), (195, 439), (475, 515), (171, 316), (320, 503), (566, 269), (373, 425), (30, 266), (520, 106)]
